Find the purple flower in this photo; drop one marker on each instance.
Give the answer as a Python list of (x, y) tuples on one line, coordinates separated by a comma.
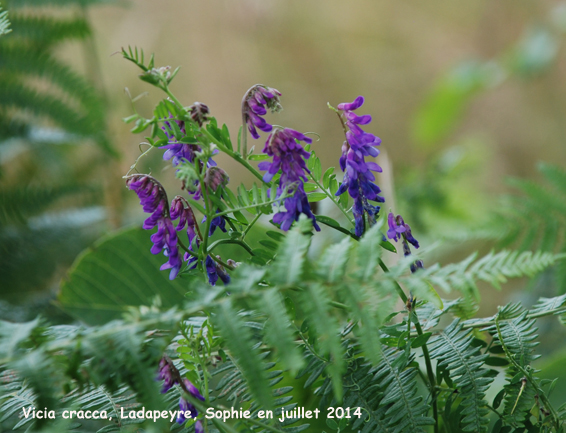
[(176, 150), (185, 406), (358, 177), (166, 375), (255, 104), (289, 157), (215, 270), (192, 389), (395, 230), (398, 229), (154, 200), (215, 178), (199, 427)]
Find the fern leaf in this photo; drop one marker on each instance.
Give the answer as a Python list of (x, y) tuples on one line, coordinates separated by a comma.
[(239, 340), (4, 23), (20, 61), (332, 265), (518, 335), (327, 329), (289, 264), (234, 388), (278, 330), (454, 352), (43, 30)]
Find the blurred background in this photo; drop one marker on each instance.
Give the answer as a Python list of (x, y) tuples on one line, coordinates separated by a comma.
[(464, 95)]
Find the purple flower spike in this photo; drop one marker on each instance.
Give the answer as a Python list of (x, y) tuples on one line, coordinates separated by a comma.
[(289, 157), (358, 177), (255, 104), (154, 200)]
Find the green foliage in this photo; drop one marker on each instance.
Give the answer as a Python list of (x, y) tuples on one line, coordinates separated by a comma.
[(458, 357), (4, 23), (89, 293)]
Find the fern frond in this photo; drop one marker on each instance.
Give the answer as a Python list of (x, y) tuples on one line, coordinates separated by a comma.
[(15, 95), (234, 388), (518, 335), (44, 30), (20, 61), (17, 204), (4, 23), (494, 268), (453, 349), (387, 393), (240, 342)]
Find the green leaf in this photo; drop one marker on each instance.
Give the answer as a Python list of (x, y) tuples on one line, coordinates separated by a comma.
[(326, 177), (288, 266), (258, 157), (332, 265), (316, 196), (420, 340), (278, 331), (239, 340), (369, 252), (117, 272)]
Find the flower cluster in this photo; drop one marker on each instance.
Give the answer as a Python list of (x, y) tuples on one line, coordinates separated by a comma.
[(154, 200), (289, 157), (255, 103), (213, 179), (398, 229), (175, 150), (358, 177), (171, 376), (181, 210)]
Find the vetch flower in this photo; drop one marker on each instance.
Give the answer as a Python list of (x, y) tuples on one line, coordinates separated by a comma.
[(289, 157), (166, 374), (154, 200), (193, 390), (199, 428), (398, 229), (213, 179), (358, 177), (185, 406), (255, 103)]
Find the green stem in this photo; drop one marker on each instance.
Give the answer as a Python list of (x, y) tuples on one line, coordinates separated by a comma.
[(526, 374), (231, 241), (398, 288), (331, 197), (429, 372), (250, 225), (234, 155), (283, 196)]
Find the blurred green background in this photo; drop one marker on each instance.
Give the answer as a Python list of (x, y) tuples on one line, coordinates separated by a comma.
[(464, 96)]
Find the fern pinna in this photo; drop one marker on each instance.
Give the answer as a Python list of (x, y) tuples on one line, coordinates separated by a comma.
[(267, 325)]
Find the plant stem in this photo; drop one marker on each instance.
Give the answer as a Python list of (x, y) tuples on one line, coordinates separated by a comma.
[(250, 225), (234, 156), (331, 197), (231, 241), (429, 372)]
